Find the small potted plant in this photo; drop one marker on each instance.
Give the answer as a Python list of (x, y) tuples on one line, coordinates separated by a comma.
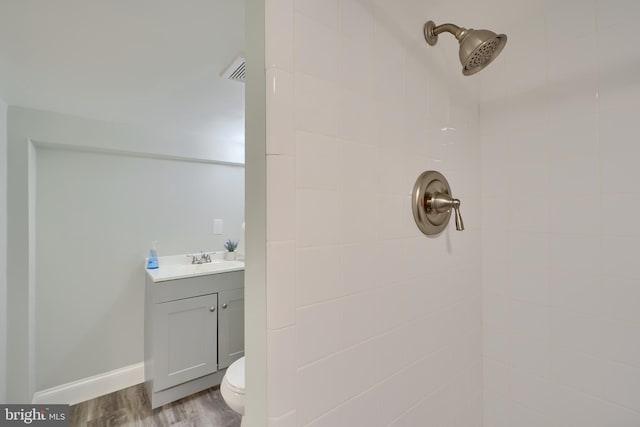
[(230, 246)]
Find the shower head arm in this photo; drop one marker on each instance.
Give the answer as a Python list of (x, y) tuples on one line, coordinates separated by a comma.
[(431, 32)]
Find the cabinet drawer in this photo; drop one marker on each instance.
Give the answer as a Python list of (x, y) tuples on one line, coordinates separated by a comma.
[(186, 340)]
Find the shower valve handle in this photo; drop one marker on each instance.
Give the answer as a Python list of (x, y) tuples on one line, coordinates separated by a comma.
[(443, 202), (432, 204)]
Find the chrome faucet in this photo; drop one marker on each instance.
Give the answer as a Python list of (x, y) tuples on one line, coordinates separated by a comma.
[(202, 259)]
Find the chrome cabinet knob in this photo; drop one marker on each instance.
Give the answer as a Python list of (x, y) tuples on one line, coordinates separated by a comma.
[(212, 308), (224, 305)]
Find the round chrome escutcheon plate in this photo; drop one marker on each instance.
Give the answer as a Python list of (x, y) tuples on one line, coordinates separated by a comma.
[(427, 185)]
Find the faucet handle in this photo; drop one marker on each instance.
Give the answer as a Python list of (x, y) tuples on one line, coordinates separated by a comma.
[(443, 203), (456, 207)]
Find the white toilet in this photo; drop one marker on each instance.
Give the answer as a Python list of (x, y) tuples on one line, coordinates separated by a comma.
[(232, 387)]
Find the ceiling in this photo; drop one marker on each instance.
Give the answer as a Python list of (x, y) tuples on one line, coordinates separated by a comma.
[(150, 63)]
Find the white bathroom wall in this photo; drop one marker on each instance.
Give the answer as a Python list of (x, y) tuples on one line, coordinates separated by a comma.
[(560, 205), (96, 216), (3, 249), (369, 322), (101, 196)]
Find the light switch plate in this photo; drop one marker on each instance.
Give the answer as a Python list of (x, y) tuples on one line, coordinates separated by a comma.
[(217, 226)]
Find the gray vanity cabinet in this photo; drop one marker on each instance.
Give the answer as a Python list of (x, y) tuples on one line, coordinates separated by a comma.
[(230, 327), (194, 329)]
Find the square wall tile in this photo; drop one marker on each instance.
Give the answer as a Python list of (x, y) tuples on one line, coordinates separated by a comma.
[(625, 223), (393, 216), (356, 20), (359, 218), (575, 214), (529, 285), (288, 420), (578, 370), (574, 138), (528, 162), (390, 125), (495, 213), (619, 344), (495, 279), (356, 70), (281, 369), (363, 370), (530, 214), (615, 12), (280, 284), (571, 57), (620, 256), (281, 198), (317, 161), (531, 390), (531, 355), (497, 409), (319, 331), (279, 34), (323, 11), (317, 105), (333, 418), (576, 292), (357, 113), (280, 112), (572, 407), (361, 317), (358, 166), (616, 415), (496, 312), (523, 416), (620, 173), (318, 275), (619, 85), (575, 254), (496, 377), (390, 179), (529, 320), (391, 262), (317, 218), (496, 248), (533, 50), (496, 345), (528, 251), (364, 409), (577, 331), (622, 298), (622, 385), (316, 48), (324, 381)]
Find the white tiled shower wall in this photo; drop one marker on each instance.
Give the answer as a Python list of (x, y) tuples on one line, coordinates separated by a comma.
[(370, 323), (561, 203)]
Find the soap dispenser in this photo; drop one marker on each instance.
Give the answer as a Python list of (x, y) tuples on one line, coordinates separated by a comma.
[(152, 263)]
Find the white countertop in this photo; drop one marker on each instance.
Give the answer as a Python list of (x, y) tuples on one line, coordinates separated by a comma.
[(179, 267)]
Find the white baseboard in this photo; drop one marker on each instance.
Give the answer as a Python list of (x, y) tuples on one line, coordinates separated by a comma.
[(92, 387)]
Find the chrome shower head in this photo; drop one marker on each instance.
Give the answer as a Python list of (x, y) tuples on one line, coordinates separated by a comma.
[(477, 47)]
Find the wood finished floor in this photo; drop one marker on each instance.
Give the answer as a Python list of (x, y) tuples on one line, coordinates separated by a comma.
[(131, 407)]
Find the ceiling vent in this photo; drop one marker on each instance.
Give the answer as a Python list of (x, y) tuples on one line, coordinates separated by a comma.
[(236, 70)]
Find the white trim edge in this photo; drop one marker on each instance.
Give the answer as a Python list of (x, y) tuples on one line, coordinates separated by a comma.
[(92, 387)]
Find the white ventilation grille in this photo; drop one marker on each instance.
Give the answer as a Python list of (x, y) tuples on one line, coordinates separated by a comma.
[(235, 71)]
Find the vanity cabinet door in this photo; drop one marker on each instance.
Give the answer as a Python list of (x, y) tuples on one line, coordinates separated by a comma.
[(231, 326), (186, 346)]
